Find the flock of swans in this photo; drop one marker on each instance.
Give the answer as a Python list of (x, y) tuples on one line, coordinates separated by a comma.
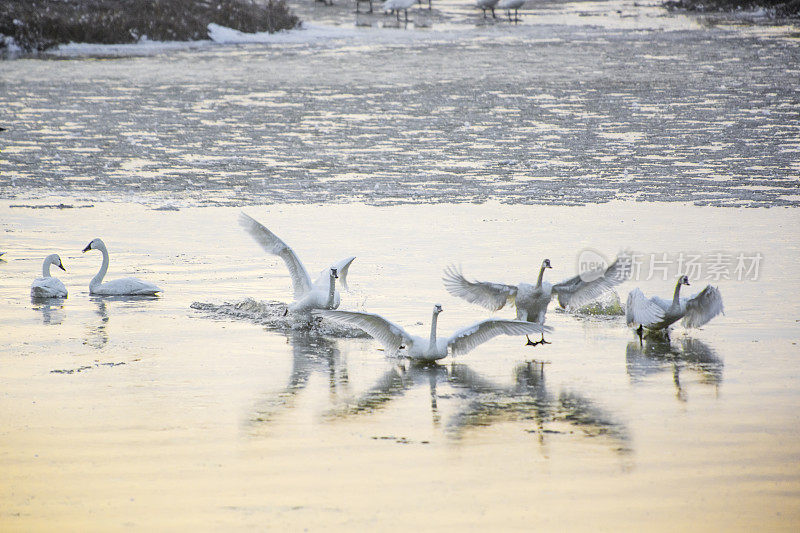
[(395, 6), (320, 300)]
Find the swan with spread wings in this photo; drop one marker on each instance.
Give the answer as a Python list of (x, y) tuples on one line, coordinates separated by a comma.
[(398, 342), (659, 314), (321, 294), (531, 300)]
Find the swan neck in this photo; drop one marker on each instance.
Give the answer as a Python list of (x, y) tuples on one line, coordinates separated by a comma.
[(98, 279), (433, 330), (331, 292), (46, 267), (541, 278), (676, 299)]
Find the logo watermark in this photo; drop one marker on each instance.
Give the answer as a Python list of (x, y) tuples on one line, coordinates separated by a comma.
[(591, 265), (707, 266)]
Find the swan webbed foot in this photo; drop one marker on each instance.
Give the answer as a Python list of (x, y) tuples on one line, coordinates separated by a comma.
[(537, 343)]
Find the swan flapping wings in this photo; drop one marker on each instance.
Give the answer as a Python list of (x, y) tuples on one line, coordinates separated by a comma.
[(702, 307), (573, 292), (393, 337), (492, 296), (272, 244)]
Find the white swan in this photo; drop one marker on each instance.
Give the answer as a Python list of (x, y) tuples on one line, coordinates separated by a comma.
[(508, 5), (48, 286), (531, 301), (657, 313), (321, 294), (397, 5), (395, 338), (487, 4), (117, 287)]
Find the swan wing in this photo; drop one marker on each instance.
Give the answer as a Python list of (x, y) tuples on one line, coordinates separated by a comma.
[(341, 267), (702, 307), (492, 296), (389, 334), (641, 310), (575, 292), (465, 339), (272, 244)]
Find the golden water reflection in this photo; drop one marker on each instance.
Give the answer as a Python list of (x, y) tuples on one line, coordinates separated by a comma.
[(461, 400)]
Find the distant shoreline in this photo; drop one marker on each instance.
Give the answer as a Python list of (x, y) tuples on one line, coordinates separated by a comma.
[(39, 25)]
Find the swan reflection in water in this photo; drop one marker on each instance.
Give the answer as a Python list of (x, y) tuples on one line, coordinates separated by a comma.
[(310, 354), (52, 310), (461, 400), (482, 403), (96, 334), (657, 355)]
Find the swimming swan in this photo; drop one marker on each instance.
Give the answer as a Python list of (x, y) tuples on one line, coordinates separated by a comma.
[(48, 286), (394, 337), (531, 301), (117, 287), (657, 313), (322, 294)]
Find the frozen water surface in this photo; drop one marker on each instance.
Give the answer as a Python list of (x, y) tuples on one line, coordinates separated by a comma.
[(634, 105), (411, 148)]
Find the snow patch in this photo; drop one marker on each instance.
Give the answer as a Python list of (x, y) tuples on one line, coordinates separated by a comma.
[(305, 33)]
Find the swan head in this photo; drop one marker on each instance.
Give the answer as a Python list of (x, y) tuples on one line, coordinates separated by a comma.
[(334, 273), (96, 244), (684, 281), (437, 309), (54, 259), (546, 264)]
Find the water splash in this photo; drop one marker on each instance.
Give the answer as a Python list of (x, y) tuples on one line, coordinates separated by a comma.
[(275, 316)]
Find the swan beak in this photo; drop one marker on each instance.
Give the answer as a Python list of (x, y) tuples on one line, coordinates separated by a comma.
[(687, 283), (62, 267), (88, 247)]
